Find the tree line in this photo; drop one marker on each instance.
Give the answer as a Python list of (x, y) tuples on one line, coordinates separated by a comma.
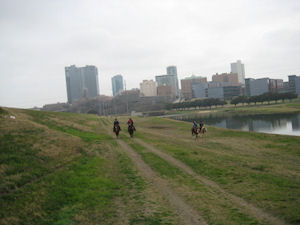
[(266, 97), (209, 102)]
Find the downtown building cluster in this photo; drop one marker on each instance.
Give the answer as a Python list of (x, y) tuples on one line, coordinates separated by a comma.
[(233, 84), (164, 85), (82, 82)]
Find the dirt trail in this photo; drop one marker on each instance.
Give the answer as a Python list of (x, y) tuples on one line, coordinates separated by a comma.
[(186, 213), (250, 209)]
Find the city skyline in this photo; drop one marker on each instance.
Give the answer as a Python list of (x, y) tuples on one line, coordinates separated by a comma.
[(138, 40)]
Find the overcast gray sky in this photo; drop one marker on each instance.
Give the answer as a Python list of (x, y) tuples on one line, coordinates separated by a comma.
[(139, 39)]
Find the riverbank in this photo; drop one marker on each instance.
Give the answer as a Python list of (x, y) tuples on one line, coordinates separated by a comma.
[(261, 168), (273, 108)]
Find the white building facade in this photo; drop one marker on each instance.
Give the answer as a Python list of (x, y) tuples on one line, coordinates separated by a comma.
[(148, 88), (239, 68)]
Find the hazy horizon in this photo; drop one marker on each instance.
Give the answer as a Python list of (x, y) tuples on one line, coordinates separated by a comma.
[(139, 39)]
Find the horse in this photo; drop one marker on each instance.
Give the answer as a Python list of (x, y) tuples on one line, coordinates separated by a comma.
[(203, 130), (117, 129), (196, 131), (131, 130)]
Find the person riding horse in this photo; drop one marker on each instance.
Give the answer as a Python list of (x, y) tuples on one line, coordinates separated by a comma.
[(200, 125), (130, 123), (116, 124), (131, 127), (195, 127)]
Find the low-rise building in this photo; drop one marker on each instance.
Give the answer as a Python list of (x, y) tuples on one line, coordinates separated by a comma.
[(255, 87), (165, 91), (148, 88), (215, 92), (186, 85), (200, 90), (294, 84), (232, 78), (276, 85), (232, 91)]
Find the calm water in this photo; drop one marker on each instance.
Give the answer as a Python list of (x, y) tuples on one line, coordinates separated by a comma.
[(288, 124)]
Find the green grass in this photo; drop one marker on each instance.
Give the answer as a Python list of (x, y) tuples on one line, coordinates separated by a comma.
[(63, 195), (209, 201), (3, 112), (45, 119), (64, 168), (264, 171), (49, 176)]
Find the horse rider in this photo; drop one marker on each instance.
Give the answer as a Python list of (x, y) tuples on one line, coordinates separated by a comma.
[(195, 125), (201, 125), (130, 123), (116, 123)]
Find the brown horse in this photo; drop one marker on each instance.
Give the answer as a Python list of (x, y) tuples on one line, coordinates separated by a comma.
[(117, 129), (196, 131)]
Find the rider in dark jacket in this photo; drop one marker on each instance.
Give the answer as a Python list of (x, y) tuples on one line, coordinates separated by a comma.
[(116, 123), (201, 125)]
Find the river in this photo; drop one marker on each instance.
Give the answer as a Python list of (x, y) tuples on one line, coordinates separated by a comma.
[(288, 124)]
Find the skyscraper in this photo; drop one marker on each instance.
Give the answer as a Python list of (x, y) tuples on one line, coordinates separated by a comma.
[(238, 67), (81, 82), (168, 80), (172, 70), (117, 84), (172, 73)]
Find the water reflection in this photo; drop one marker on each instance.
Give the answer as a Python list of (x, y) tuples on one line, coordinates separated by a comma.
[(277, 123), (296, 123)]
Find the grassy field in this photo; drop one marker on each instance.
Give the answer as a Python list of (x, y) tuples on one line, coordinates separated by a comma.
[(63, 168), (58, 168)]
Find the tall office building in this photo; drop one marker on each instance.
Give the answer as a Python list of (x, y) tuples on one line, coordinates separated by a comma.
[(172, 71), (117, 84), (81, 82), (168, 80), (238, 67)]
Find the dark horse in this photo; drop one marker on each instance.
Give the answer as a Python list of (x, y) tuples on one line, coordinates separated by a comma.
[(117, 130), (131, 130)]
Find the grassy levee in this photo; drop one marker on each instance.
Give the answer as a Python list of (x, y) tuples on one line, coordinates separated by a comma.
[(261, 168), (214, 208), (61, 168)]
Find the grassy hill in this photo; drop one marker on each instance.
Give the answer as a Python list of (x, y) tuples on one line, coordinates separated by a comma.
[(63, 168)]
